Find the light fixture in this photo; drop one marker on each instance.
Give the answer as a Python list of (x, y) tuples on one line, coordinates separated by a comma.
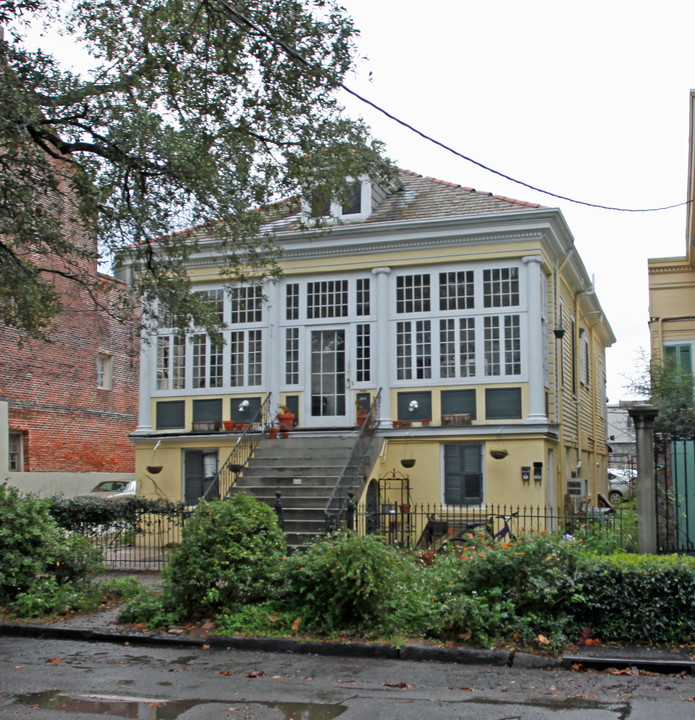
[(413, 406), (559, 333), (243, 405)]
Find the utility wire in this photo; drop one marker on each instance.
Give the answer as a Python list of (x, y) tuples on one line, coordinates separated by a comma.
[(291, 52)]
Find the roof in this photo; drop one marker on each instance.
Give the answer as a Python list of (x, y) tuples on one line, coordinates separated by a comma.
[(420, 197)]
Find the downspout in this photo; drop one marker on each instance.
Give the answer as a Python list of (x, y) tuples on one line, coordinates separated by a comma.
[(576, 368), (660, 326)]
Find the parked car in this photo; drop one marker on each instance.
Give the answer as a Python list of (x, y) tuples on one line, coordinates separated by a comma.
[(621, 485), (111, 491)]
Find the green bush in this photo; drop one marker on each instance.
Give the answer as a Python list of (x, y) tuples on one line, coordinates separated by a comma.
[(230, 553), (29, 541), (636, 598), (346, 581)]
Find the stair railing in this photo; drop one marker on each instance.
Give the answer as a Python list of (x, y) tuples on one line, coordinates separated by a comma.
[(337, 505), (243, 450)]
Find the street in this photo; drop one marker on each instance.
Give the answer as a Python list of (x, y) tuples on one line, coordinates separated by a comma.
[(61, 679)]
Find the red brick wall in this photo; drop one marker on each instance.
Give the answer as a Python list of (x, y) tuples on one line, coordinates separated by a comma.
[(51, 388)]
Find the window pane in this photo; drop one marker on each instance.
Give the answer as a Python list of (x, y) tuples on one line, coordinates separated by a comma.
[(404, 351), (236, 356), (501, 287), (327, 299), (492, 345), (199, 360), (512, 345), (292, 301), (247, 305), (292, 356), (456, 290), (363, 299), (447, 348), (255, 357), (412, 293), (467, 346), (364, 351)]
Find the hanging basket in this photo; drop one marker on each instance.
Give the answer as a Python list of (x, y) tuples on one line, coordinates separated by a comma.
[(498, 454), (408, 462), (154, 469), (235, 467)]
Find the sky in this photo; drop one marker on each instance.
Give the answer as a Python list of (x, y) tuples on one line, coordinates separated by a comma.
[(588, 100)]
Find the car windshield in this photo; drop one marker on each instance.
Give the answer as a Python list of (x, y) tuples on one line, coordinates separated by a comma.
[(111, 486)]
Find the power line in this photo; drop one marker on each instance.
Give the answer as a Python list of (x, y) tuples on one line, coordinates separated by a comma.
[(296, 56)]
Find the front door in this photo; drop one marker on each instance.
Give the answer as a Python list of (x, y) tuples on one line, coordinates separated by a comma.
[(328, 381)]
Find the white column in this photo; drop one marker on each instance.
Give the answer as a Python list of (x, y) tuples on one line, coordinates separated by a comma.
[(381, 347), (535, 340), (148, 351), (275, 351)]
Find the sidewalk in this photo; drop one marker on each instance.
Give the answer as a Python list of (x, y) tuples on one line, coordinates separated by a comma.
[(103, 626)]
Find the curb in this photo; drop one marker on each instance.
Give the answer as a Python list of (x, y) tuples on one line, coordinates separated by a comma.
[(420, 653)]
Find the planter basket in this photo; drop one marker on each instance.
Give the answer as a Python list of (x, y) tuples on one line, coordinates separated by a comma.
[(235, 467), (498, 454), (154, 469), (408, 462), (456, 419)]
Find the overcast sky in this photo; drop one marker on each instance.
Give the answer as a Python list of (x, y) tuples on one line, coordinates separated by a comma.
[(587, 100)]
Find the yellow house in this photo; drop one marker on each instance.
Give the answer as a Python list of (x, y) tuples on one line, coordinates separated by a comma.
[(469, 317), (672, 286)]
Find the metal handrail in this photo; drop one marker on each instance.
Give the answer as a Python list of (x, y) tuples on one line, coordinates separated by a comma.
[(241, 453), (336, 506)]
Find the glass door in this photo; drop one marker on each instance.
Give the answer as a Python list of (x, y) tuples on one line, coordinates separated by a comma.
[(328, 378)]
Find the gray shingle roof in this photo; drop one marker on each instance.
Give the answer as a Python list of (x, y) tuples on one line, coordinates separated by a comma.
[(422, 197)]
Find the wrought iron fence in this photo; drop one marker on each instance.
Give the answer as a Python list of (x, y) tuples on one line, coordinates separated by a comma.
[(429, 527), (134, 535)]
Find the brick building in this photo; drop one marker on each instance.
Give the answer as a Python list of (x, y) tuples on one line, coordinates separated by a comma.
[(67, 406)]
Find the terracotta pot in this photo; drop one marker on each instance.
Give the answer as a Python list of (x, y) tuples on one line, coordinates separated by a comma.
[(229, 425), (425, 422), (273, 433), (361, 419), (286, 420), (405, 508)]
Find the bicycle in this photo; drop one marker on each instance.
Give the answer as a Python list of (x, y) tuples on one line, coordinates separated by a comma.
[(505, 531)]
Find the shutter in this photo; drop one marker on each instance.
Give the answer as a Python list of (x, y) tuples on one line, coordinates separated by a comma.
[(193, 476), (463, 480)]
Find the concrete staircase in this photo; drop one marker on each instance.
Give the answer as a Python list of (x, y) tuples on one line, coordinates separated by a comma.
[(305, 468)]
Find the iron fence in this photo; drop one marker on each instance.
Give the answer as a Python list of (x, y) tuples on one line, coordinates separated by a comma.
[(429, 527), (131, 538)]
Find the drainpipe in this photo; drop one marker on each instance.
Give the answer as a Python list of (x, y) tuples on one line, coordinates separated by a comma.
[(660, 325)]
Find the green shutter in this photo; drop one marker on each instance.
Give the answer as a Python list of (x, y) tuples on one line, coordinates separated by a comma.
[(207, 410), (463, 478), (171, 414), (503, 403), (457, 402)]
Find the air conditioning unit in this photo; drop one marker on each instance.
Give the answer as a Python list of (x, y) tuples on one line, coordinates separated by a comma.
[(578, 487)]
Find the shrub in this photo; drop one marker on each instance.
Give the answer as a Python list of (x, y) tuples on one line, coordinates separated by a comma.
[(346, 581), (230, 553), (636, 598), (29, 541)]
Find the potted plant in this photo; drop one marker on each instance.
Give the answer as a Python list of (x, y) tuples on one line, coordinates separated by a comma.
[(362, 413), (285, 418), (425, 422), (229, 425)]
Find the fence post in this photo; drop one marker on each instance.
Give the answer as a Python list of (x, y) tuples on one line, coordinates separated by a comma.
[(643, 416)]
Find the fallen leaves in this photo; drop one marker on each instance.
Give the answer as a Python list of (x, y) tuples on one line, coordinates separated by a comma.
[(401, 684), (256, 674)]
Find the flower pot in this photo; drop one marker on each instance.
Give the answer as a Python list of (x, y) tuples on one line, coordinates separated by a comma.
[(154, 469), (273, 433), (229, 425), (406, 423), (408, 462), (397, 423), (286, 420), (425, 422), (284, 434), (404, 508), (361, 419), (242, 426)]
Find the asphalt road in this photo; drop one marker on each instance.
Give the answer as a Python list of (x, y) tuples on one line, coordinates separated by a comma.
[(61, 679)]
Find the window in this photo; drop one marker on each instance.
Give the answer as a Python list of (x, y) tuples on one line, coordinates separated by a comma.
[(456, 290), (327, 299), (171, 363), (16, 452), (457, 402), (463, 474), (207, 362), (502, 403), (457, 348), (363, 301), (413, 350), (364, 353), (412, 293), (247, 305), (104, 371), (585, 361), (502, 345), (216, 300), (292, 356), (171, 414), (246, 362), (200, 475), (292, 301), (679, 357), (353, 200), (501, 287), (208, 410)]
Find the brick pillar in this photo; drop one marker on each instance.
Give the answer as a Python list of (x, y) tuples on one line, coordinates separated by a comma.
[(643, 417)]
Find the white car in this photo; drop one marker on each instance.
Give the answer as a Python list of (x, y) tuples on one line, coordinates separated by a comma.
[(621, 485), (111, 491)]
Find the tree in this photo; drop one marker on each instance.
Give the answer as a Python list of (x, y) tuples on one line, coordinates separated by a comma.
[(669, 388), (192, 113)]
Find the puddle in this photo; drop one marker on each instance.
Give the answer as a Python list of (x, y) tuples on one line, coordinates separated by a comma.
[(158, 709)]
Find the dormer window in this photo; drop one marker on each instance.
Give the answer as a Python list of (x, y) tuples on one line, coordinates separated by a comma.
[(355, 205)]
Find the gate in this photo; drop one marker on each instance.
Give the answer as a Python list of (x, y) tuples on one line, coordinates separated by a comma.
[(674, 465)]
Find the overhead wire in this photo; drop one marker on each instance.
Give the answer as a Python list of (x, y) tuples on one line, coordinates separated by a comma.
[(242, 19)]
